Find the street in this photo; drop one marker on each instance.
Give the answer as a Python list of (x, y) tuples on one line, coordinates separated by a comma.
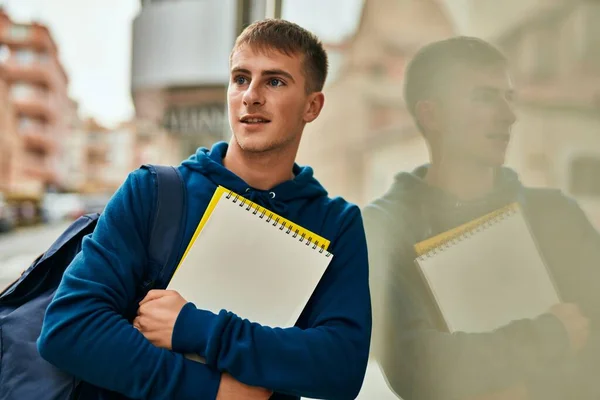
[(18, 249)]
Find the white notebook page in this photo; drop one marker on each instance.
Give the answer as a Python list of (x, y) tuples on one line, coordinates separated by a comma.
[(490, 278), (248, 266)]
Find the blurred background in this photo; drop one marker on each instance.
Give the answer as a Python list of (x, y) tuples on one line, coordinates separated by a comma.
[(92, 89)]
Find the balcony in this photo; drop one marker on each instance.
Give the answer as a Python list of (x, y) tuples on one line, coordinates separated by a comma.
[(38, 138), (35, 165), (32, 101), (20, 35), (35, 72), (29, 65)]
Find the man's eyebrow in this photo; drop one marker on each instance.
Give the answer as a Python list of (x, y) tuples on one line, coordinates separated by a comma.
[(240, 70), (268, 72), (271, 72), (491, 89)]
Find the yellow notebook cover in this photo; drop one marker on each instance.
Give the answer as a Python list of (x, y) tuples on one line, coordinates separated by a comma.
[(431, 243)]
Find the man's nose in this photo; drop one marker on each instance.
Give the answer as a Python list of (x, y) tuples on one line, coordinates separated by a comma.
[(253, 95), (507, 112)]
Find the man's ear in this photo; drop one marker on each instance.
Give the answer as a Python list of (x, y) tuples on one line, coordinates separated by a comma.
[(427, 114), (314, 106)]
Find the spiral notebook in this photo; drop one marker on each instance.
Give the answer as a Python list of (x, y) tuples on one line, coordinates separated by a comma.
[(486, 273), (248, 260)]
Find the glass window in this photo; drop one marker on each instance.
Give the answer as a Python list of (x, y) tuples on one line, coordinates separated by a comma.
[(585, 177), (28, 123), (4, 53), (25, 57), (19, 32), (591, 32), (22, 90)]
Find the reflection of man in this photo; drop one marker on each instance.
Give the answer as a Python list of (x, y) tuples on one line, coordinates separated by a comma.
[(277, 73), (460, 96)]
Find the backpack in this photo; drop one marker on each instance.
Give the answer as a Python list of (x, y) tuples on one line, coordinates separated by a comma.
[(24, 374)]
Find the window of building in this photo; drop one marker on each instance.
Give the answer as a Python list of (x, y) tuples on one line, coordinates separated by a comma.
[(546, 61), (585, 176), (4, 53), (22, 90), (590, 45), (26, 57), (95, 137), (30, 123), (19, 32)]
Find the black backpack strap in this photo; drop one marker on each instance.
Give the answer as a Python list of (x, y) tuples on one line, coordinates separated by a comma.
[(168, 222)]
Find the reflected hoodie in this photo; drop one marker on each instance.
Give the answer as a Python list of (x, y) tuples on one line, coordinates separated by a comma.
[(420, 360)]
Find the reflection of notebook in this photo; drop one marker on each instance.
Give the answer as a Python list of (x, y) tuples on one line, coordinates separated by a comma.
[(486, 273), (250, 261)]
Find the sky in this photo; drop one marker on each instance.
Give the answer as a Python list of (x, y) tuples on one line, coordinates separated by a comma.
[(94, 40)]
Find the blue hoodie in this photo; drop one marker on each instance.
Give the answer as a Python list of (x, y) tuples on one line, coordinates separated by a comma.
[(87, 330)]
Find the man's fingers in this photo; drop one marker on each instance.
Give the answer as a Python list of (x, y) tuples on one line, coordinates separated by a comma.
[(153, 295)]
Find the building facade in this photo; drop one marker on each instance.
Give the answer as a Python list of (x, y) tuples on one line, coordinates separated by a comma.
[(555, 56), (34, 116)]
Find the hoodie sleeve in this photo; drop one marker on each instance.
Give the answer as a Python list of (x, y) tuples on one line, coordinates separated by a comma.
[(327, 361), (420, 361), (574, 254), (85, 330)]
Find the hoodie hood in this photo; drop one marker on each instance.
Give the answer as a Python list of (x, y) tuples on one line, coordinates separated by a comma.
[(209, 162), (414, 187), (440, 210)]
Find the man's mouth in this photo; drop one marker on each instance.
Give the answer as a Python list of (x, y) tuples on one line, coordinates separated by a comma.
[(501, 137), (254, 120)]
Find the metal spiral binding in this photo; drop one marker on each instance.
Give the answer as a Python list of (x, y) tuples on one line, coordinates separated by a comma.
[(289, 229), (444, 245)]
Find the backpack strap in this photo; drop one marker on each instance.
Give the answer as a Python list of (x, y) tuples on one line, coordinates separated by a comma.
[(168, 223), (167, 229)]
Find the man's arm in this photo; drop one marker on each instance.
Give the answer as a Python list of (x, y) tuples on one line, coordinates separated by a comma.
[(422, 362), (574, 252), (327, 360), (85, 331)]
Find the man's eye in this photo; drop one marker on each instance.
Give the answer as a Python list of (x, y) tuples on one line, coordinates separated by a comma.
[(240, 80), (275, 82), (484, 96)]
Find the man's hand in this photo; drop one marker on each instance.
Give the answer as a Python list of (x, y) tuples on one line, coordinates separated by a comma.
[(156, 316), (230, 389), (578, 326)]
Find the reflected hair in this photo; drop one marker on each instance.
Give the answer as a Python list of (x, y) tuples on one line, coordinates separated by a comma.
[(429, 67)]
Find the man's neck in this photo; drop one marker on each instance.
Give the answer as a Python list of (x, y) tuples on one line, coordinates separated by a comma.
[(262, 171), (462, 179)]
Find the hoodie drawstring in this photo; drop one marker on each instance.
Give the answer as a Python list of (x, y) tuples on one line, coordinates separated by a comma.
[(267, 200)]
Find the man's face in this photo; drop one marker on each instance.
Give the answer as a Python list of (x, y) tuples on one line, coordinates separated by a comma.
[(476, 115), (267, 100)]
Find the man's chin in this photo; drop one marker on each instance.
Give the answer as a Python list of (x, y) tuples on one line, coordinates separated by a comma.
[(495, 162), (255, 144)]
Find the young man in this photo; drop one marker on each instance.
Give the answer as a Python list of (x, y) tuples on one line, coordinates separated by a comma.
[(460, 95), (278, 70)]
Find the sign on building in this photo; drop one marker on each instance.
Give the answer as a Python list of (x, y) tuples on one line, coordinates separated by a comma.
[(208, 120)]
